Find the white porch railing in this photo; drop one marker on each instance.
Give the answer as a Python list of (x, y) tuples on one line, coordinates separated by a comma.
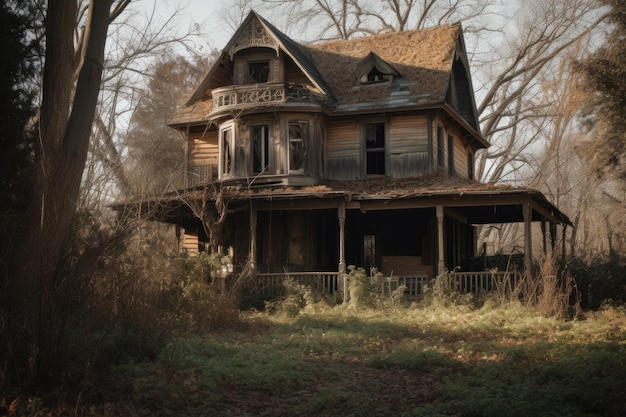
[(473, 282), (274, 283)]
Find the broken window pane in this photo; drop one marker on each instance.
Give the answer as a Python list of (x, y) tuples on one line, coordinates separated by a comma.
[(258, 72)]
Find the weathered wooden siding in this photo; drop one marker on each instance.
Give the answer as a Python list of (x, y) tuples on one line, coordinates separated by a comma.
[(189, 242), (408, 146), (203, 148), (293, 74), (343, 149), (460, 158)]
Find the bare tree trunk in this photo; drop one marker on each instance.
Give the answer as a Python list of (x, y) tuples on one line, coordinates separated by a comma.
[(66, 118)]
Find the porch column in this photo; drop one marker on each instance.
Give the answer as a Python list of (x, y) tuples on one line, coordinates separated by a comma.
[(441, 264), (252, 255), (553, 237), (564, 248), (528, 237), (544, 235), (341, 214)]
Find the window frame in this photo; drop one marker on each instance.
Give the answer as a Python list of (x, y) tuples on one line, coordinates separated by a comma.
[(265, 148), (375, 149), (249, 64), (224, 129), (451, 162), (304, 128), (441, 157)]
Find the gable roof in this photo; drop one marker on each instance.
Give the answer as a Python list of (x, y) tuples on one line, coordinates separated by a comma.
[(281, 42), (422, 62)]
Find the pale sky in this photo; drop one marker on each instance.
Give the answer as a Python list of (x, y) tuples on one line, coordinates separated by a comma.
[(193, 12)]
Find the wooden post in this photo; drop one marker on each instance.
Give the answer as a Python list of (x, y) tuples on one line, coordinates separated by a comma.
[(528, 237), (544, 235), (252, 255), (553, 237), (441, 264), (564, 246), (341, 214)]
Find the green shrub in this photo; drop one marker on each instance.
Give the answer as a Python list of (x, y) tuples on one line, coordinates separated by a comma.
[(599, 280)]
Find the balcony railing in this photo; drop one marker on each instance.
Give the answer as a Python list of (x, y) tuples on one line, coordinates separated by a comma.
[(201, 175), (238, 97)]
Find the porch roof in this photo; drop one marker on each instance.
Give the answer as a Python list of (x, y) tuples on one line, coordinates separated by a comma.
[(476, 203)]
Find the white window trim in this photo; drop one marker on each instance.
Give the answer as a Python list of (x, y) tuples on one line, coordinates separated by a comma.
[(228, 126)]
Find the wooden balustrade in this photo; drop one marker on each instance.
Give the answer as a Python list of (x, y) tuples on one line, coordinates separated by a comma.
[(234, 97), (482, 281), (274, 283)]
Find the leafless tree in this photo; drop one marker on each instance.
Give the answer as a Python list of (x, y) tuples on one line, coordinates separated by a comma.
[(511, 104), (344, 19), (71, 84)]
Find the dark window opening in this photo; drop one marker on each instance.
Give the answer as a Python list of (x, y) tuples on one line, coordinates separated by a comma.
[(297, 145), (375, 148), (227, 157), (470, 166), (451, 167), (440, 150), (375, 76), (258, 72), (260, 148)]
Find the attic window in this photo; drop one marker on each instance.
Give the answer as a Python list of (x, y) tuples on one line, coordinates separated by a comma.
[(373, 69), (258, 72), (375, 76)]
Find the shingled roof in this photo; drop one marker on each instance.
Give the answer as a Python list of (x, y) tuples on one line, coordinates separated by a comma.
[(422, 58)]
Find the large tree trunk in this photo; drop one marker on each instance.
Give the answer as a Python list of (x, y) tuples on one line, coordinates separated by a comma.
[(66, 117)]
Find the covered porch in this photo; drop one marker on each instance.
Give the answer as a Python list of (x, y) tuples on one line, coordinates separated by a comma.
[(410, 233), (409, 241)]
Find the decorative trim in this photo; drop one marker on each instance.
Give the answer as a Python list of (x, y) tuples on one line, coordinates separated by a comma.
[(252, 36)]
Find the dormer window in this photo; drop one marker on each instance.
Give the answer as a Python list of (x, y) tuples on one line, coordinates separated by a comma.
[(373, 69), (258, 72), (375, 76)]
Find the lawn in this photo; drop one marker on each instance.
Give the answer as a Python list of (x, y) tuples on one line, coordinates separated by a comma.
[(418, 361)]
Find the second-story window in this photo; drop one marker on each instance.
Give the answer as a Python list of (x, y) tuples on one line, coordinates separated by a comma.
[(451, 167), (440, 149), (297, 146), (375, 149), (260, 148), (258, 72), (470, 165), (226, 151)]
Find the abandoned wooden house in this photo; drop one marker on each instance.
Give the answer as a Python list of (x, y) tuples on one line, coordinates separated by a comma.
[(304, 159)]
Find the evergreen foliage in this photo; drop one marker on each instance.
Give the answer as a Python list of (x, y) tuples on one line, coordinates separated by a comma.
[(605, 74)]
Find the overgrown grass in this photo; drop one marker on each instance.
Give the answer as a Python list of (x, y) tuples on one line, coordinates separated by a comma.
[(405, 361), (419, 360)]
